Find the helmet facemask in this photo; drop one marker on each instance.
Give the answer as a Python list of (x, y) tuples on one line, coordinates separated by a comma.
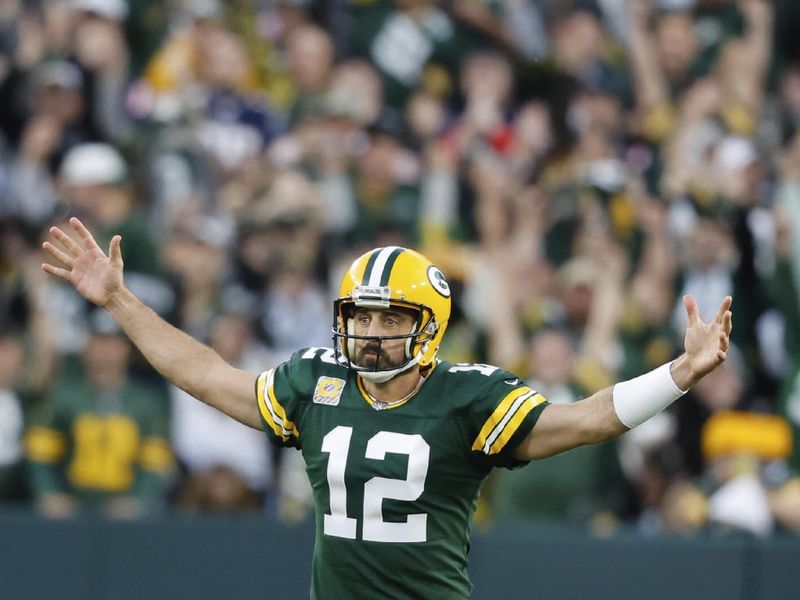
[(345, 338), (391, 278)]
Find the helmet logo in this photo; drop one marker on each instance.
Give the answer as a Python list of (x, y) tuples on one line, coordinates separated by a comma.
[(439, 283)]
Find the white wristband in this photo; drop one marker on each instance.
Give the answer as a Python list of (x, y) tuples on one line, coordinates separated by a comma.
[(640, 398)]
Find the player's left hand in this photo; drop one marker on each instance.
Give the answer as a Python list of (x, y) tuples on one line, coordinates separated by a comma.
[(706, 344)]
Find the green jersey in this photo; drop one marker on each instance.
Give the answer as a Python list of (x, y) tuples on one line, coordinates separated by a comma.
[(97, 445), (395, 486)]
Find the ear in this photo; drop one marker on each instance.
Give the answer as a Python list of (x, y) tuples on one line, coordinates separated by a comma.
[(431, 329)]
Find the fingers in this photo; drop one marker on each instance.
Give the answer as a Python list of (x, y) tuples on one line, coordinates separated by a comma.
[(691, 309), (67, 242), (724, 341), (58, 254), (114, 251), (57, 271), (87, 237), (727, 322), (723, 308)]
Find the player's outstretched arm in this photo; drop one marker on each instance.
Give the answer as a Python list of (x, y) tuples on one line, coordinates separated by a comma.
[(614, 410), (183, 360)]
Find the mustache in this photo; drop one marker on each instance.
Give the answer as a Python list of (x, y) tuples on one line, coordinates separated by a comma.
[(371, 347)]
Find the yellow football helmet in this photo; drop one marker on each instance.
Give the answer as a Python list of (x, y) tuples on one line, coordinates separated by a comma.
[(398, 278)]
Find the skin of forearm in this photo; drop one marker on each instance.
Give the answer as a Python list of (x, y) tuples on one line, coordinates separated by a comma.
[(590, 421), (185, 362), (603, 320), (660, 260), (602, 422), (178, 357), (505, 339), (44, 352), (682, 374), (562, 427), (649, 81), (758, 40), (599, 421)]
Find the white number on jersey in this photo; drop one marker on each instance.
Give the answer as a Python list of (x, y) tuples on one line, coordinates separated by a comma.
[(468, 367), (326, 356), (375, 529)]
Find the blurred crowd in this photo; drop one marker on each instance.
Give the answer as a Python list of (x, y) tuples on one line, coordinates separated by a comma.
[(574, 166)]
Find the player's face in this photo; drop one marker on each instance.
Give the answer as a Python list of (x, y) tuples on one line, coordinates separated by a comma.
[(385, 354)]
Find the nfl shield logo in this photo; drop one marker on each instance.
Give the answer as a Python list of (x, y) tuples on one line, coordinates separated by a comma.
[(328, 391)]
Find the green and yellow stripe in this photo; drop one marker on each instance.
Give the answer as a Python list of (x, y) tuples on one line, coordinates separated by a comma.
[(43, 444), (503, 423), (379, 266), (272, 411), (155, 455)]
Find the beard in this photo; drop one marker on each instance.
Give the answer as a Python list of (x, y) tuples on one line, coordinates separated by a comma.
[(372, 356)]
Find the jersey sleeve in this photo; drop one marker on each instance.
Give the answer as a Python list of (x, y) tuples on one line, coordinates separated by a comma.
[(503, 415), (279, 399), (156, 460), (46, 444)]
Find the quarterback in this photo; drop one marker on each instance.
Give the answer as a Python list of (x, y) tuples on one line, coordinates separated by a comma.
[(396, 442)]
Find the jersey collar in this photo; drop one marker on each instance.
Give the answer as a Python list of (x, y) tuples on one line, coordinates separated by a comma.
[(380, 405)]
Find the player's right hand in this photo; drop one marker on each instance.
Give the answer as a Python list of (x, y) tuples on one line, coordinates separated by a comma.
[(96, 276)]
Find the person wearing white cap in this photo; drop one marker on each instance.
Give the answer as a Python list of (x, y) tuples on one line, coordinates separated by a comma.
[(94, 181), (93, 164), (114, 10)]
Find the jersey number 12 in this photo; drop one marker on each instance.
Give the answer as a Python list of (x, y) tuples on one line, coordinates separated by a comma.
[(375, 529)]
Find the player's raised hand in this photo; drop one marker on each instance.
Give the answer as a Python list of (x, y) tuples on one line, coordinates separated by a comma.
[(706, 344), (95, 275)]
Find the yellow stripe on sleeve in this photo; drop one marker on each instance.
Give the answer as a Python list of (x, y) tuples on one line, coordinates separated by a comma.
[(281, 412), (505, 404), (272, 411), (155, 455), (511, 427), (262, 407), (43, 444)]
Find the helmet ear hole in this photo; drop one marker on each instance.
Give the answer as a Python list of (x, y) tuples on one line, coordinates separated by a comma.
[(431, 328)]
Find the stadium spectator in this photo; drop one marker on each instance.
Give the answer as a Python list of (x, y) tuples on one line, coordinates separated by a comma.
[(99, 48), (218, 490), (11, 416), (582, 486), (194, 254), (310, 57), (210, 446), (28, 355), (99, 441), (409, 41), (95, 182), (56, 122), (745, 484)]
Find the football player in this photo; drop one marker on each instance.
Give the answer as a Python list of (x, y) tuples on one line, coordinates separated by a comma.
[(396, 442)]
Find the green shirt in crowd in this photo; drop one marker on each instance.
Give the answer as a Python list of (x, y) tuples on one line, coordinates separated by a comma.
[(99, 445)]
